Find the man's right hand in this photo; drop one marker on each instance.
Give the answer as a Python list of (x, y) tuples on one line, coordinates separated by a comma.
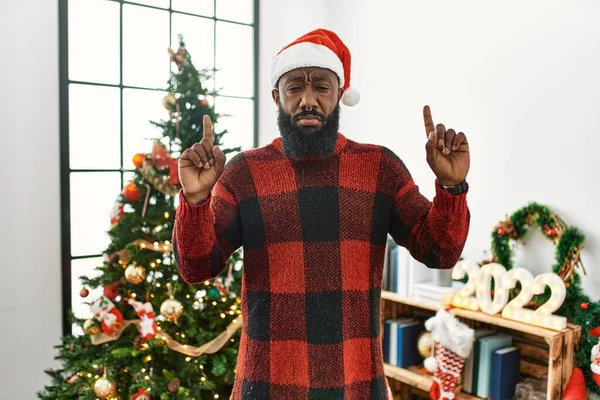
[(201, 165)]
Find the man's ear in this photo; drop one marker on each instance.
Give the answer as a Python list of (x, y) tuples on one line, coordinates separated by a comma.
[(340, 94), (275, 94)]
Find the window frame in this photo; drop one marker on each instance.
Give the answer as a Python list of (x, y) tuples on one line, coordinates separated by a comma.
[(65, 167)]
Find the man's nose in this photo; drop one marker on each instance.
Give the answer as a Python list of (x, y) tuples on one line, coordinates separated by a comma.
[(309, 99)]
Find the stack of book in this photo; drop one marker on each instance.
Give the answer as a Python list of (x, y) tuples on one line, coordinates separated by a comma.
[(430, 293), (492, 369), (400, 337)]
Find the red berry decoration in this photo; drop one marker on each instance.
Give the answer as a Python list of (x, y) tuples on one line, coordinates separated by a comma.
[(204, 102), (84, 292), (585, 306), (501, 231), (138, 160), (131, 193)]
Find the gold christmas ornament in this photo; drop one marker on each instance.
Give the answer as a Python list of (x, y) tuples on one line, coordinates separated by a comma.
[(91, 327), (104, 388), (171, 309), (169, 101), (425, 344), (135, 274)]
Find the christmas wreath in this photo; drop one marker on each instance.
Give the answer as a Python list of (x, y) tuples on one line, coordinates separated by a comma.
[(568, 240)]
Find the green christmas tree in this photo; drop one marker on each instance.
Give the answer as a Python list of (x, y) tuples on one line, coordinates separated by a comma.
[(153, 336)]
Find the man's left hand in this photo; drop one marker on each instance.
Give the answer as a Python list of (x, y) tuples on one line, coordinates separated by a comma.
[(447, 152)]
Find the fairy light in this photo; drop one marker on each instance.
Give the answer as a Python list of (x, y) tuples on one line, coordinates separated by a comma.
[(203, 379), (158, 261), (183, 335), (153, 265), (214, 303), (166, 215), (89, 375), (143, 369), (233, 307), (231, 313), (143, 245), (188, 359), (148, 358), (133, 295), (157, 284), (216, 396), (222, 315), (187, 296), (223, 299), (206, 283), (147, 377)]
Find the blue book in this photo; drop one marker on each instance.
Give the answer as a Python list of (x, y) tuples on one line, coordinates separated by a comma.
[(487, 346), (469, 372), (390, 340), (506, 365), (408, 333)]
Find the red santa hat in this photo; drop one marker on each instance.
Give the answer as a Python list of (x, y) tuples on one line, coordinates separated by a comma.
[(319, 48)]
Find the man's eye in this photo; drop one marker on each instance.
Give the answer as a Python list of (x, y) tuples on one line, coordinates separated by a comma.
[(323, 88), (293, 89)]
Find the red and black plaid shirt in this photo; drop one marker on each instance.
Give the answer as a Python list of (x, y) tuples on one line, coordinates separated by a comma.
[(314, 234)]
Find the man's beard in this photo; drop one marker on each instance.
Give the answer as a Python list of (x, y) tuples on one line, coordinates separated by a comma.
[(308, 141)]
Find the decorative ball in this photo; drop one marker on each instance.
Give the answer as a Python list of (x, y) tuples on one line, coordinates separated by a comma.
[(431, 365), (173, 386), (584, 306), (135, 274), (138, 160), (160, 155), (104, 388), (111, 291), (169, 101), (204, 102), (91, 327), (424, 344), (171, 309), (214, 293), (131, 192), (84, 292), (501, 231)]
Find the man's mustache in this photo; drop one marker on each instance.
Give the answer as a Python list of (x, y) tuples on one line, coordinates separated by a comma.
[(306, 113)]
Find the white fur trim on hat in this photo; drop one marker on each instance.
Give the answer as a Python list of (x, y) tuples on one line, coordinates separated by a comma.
[(595, 368), (448, 331), (303, 55)]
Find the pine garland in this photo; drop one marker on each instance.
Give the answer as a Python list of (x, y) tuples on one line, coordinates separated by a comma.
[(568, 240)]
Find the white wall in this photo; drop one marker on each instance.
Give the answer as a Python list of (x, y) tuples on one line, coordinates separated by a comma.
[(281, 21), (519, 78), (30, 292)]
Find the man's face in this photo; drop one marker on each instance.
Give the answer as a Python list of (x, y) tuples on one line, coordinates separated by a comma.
[(308, 101)]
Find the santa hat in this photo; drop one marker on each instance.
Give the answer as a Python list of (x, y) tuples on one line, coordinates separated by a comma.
[(319, 48)]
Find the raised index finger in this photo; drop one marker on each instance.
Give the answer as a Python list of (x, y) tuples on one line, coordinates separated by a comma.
[(208, 129), (429, 126)]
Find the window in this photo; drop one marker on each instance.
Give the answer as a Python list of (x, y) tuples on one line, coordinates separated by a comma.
[(114, 69)]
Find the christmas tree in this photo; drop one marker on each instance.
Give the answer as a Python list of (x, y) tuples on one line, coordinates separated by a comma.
[(153, 336)]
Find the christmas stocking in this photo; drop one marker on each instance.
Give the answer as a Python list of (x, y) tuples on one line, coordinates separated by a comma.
[(147, 324), (105, 311), (453, 344)]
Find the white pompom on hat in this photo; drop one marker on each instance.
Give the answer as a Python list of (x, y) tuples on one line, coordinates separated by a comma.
[(319, 48)]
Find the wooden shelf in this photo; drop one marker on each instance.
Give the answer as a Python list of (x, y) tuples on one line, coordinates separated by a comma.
[(418, 380), (479, 316), (544, 350)]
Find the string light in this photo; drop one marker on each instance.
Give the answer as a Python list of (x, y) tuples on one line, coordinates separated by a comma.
[(158, 284), (206, 283), (222, 315), (147, 377), (216, 396), (143, 369), (203, 379), (133, 295), (214, 303), (148, 358)]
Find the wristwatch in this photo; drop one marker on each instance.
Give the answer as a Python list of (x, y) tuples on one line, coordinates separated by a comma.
[(455, 189)]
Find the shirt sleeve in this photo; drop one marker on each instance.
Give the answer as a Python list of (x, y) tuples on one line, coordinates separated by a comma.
[(205, 235), (434, 232)]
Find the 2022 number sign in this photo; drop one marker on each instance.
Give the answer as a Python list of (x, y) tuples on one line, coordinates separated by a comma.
[(477, 293)]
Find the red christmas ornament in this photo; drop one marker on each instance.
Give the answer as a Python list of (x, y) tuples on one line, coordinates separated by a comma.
[(111, 291), (584, 306), (84, 292), (501, 231), (567, 284), (131, 192), (174, 173), (204, 102), (138, 160), (595, 331), (160, 155), (551, 232)]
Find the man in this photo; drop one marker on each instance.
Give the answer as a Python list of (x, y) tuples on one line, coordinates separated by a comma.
[(313, 210)]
